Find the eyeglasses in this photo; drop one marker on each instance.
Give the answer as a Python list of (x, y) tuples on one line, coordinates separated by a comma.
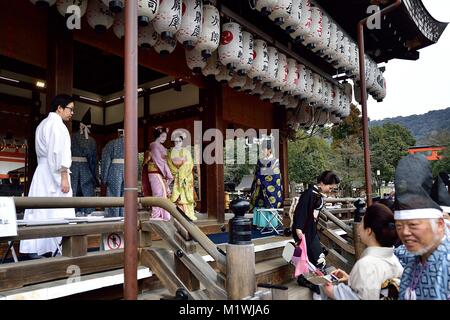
[(71, 109)]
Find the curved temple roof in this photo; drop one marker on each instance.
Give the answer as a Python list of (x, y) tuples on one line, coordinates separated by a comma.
[(402, 32), (430, 27)]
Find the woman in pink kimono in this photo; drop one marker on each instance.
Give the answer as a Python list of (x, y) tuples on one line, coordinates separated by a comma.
[(157, 172)]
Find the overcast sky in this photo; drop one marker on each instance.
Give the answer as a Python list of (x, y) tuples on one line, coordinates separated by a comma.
[(416, 87)]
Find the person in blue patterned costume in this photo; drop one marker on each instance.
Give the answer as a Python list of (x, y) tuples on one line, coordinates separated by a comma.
[(266, 190), (84, 162), (420, 225), (112, 172)]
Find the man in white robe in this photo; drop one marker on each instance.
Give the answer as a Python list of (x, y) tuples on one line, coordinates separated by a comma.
[(52, 175)]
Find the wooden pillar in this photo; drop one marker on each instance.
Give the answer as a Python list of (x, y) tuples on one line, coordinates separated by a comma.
[(284, 168), (211, 99), (280, 123), (146, 120), (60, 58)]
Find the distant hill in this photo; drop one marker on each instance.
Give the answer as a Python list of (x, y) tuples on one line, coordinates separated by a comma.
[(421, 125)]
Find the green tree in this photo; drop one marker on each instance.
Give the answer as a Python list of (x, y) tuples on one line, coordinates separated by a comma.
[(350, 126), (388, 144), (307, 158), (347, 163), (441, 138)]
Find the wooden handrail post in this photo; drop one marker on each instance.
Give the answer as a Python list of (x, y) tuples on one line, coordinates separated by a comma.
[(359, 246), (241, 280)]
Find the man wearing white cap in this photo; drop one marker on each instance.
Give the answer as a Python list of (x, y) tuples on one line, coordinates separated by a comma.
[(420, 225)]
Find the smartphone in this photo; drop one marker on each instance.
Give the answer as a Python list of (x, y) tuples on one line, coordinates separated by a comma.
[(333, 279)]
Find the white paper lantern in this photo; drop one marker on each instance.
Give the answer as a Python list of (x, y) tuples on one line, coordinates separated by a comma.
[(292, 22), (265, 6), (195, 60), (231, 45), (326, 34), (334, 103), (282, 74), (115, 6), (260, 60), (330, 50), (331, 94), (259, 89), (326, 95), (267, 94), (147, 36), (281, 11), (382, 94), (302, 81), (43, 3), (99, 16), (343, 54), (339, 41), (165, 46), (313, 37), (309, 93), (348, 90), (305, 22), (354, 59), (341, 102), (168, 20), (147, 11), (63, 5), (224, 75), (293, 76), (249, 86), (270, 77), (371, 74), (246, 61), (212, 66), (191, 23), (119, 25), (317, 88), (297, 90), (209, 38), (337, 101), (237, 82)]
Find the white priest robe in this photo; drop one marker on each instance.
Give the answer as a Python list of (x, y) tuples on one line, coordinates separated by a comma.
[(376, 265), (53, 153)]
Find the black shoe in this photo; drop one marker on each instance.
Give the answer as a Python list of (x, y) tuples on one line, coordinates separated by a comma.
[(301, 280)]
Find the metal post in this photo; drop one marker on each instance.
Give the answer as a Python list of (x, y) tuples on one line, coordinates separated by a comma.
[(362, 77), (131, 151)]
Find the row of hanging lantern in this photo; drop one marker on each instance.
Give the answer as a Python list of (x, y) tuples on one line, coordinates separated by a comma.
[(309, 24), (228, 53)]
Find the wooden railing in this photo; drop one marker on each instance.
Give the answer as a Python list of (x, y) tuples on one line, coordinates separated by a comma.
[(340, 236), (181, 267)]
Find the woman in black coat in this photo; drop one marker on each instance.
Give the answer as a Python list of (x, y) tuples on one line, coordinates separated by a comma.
[(307, 212)]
